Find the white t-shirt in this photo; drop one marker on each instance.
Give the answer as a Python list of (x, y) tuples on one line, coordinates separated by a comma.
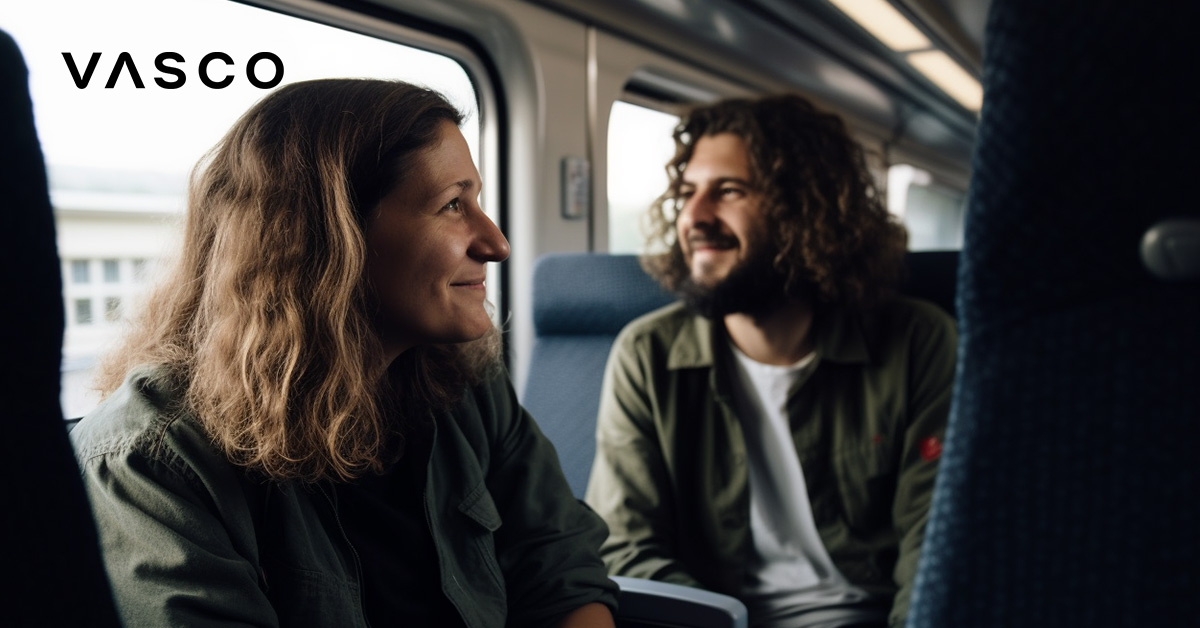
[(791, 577)]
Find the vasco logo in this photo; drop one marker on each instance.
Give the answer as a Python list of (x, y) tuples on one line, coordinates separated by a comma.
[(124, 63)]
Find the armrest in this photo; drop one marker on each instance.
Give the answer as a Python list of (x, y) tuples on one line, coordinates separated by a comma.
[(645, 603)]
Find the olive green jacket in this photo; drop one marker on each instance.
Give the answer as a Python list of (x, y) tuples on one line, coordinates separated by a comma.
[(191, 540), (671, 478)]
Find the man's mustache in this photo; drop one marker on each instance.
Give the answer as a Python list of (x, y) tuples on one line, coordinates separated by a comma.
[(699, 239)]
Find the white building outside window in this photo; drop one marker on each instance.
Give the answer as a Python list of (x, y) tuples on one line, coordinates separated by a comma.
[(118, 159)]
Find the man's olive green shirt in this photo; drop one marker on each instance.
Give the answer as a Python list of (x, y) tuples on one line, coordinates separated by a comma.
[(671, 476)]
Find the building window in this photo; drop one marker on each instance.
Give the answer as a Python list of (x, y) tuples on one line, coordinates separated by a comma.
[(83, 311), (112, 271), (112, 309), (80, 271), (139, 270)]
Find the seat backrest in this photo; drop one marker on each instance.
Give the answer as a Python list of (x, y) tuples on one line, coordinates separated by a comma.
[(933, 276), (581, 301), (50, 537), (1068, 483)]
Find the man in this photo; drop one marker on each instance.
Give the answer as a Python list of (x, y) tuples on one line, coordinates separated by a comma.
[(775, 435)]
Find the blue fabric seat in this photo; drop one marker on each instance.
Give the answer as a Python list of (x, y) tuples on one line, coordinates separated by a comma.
[(52, 551), (932, 276), (581, 301), (1067, 492)]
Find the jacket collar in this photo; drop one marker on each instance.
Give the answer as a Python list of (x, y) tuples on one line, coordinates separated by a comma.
[(839, 338)]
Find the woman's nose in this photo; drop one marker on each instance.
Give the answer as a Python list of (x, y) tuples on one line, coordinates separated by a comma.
[(489, 245)]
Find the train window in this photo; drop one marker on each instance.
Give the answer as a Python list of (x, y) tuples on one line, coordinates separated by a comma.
[(932, 212), (639, 147), (119, 145)]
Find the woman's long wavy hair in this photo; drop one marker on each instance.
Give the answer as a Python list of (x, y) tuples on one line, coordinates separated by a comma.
[(835, 242), (266, 318)]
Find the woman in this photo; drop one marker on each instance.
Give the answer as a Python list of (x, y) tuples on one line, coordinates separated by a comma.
[(309, 426)]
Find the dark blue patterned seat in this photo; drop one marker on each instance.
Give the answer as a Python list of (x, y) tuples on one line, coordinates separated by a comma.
[(581, 301), (1067, 494), (52, 554)]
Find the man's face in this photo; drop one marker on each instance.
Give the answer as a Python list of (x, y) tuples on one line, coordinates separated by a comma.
[(723, 233), (721, 224)]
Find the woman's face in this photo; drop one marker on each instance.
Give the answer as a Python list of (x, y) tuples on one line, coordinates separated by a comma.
[(427, 244)]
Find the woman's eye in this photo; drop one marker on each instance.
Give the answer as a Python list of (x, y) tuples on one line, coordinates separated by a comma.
[(454, 205), (730, 192)]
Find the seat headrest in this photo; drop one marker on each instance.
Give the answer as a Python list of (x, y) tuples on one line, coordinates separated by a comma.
[(933, 276), (591, 293)]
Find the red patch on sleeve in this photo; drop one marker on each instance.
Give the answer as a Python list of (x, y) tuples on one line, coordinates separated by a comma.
[(931, 448)]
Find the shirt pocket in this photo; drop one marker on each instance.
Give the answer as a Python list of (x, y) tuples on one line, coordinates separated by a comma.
[(481, 511), (304, 597), (867, 487)]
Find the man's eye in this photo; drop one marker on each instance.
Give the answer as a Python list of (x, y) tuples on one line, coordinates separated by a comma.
[(731, 192)]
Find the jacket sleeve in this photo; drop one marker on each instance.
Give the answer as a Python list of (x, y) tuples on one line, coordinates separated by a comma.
[(548, 544), (630, 484), (933, 345), (168, 549)]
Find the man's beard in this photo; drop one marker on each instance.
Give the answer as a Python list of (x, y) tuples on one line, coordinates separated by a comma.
[(753, 287)]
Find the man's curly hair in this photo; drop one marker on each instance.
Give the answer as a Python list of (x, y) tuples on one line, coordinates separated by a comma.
[(834, 240)]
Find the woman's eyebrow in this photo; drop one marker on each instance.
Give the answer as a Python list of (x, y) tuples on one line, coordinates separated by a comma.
[(465, 185)]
